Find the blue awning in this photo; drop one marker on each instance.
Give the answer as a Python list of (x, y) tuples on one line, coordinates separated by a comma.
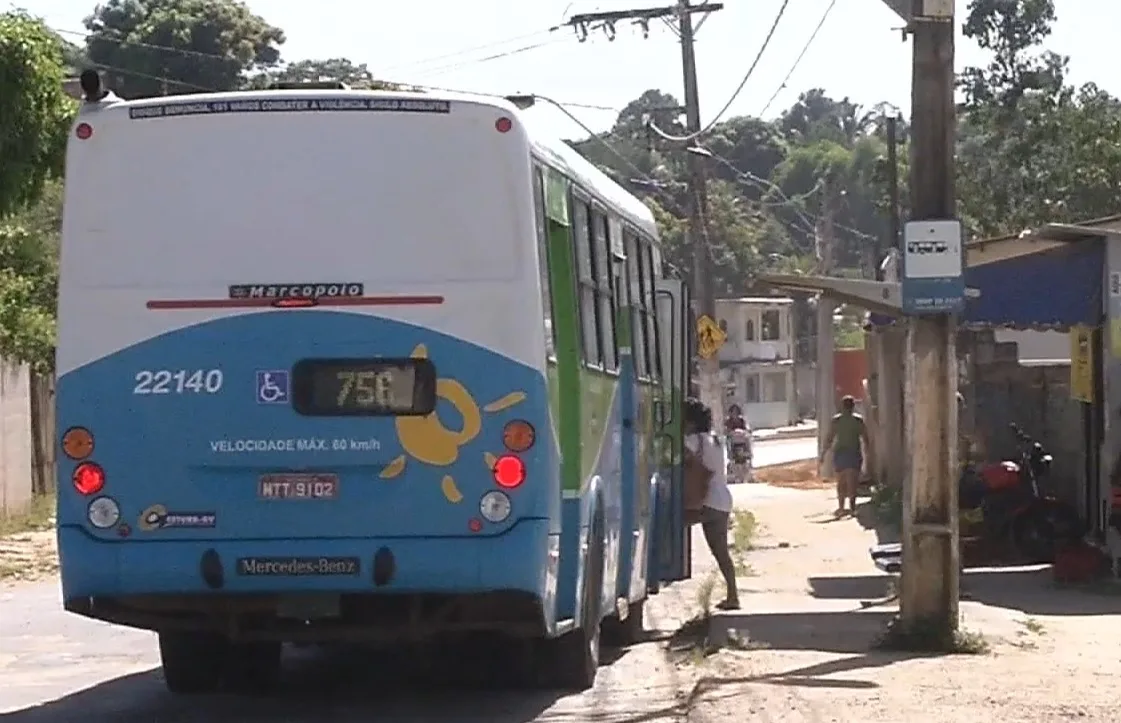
[(1052, 289)]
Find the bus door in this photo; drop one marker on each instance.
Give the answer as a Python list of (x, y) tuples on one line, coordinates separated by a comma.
[(673, 536)]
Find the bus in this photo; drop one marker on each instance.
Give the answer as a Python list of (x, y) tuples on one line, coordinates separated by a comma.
[(345, 366)]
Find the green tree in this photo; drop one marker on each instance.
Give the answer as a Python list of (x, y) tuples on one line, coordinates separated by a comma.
[(316, 71), (1031, 148), (29, 279), (35, 111), (154, 47)]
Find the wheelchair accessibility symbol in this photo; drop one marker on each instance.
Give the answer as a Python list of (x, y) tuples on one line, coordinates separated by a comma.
[(272, 387)]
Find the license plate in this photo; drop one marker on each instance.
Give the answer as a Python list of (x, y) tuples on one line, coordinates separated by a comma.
[(298, 487)]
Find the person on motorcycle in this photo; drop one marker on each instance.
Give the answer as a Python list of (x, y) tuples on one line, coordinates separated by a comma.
[(846, 433), (735, 419)]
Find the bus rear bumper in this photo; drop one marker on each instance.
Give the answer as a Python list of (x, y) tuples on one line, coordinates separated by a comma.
[(348, 583)]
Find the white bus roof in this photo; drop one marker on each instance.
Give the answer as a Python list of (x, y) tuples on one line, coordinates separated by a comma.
[(556, 152), (569, 161)]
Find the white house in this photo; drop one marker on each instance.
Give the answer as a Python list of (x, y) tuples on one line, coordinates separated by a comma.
[(757, 358)]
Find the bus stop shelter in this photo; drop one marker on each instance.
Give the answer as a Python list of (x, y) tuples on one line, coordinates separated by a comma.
[(1058, 277)]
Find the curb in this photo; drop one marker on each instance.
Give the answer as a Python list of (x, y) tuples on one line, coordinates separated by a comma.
[(756, 468), (786, 434)]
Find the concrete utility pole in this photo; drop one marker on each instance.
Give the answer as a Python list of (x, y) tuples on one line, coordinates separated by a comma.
[(930, 576), (825, 387), (712, 392)]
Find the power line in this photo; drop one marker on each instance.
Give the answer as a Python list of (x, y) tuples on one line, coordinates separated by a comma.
[(99, 36), (126, 42), (736, 93), (197, 53), (497, 56), (798, 60), (147, 76), (468, 51)]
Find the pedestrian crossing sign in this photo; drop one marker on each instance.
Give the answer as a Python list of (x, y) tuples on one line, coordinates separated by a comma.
[(710, 337)]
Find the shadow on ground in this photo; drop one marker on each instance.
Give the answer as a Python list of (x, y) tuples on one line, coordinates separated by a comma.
[(1030, 590), (834, 632), (846, 633), (338, 686), (819, 675)]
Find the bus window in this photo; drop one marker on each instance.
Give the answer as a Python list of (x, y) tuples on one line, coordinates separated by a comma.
[(585, 282), (605, 304), (542, 224), (638, 327), (651, 318)]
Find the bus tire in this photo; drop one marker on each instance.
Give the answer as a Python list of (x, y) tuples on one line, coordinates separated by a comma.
[(577, 653), (253, 666), (193, 662), (620, 633)]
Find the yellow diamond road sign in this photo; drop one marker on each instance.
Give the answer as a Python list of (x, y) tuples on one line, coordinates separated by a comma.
[(710, 337)]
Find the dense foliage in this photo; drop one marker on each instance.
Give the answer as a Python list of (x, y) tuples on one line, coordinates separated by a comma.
[(1032, 148)]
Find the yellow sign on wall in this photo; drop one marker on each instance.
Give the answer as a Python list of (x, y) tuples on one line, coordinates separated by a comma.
[(1081, 363), (710, 337)]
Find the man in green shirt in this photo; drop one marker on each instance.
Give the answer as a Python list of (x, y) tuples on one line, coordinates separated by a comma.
[(846, 432)]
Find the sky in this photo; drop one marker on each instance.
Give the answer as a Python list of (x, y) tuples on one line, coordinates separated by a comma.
[(506, 46)]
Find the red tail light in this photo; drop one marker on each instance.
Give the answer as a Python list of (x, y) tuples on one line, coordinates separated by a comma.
[(88, 478), (509, 471)]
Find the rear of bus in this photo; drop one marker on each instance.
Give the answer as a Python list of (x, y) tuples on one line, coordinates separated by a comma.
[(301, 351)]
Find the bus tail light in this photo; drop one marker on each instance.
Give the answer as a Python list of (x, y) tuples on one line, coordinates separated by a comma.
[(88, 478), (77, 443), (509, 471), (518, 435)]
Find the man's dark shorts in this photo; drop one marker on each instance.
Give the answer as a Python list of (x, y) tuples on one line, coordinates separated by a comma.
[(846, 459)]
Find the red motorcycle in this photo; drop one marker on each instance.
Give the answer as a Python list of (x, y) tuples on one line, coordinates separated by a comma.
[(1004, 501)]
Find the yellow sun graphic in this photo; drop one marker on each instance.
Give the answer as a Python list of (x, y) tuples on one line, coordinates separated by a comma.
[(428, 441)]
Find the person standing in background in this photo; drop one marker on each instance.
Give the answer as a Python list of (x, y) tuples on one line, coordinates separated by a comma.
[(846, 434)]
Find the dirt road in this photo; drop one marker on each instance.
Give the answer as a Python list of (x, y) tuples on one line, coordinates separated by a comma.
[(59, 668), (808, 658)]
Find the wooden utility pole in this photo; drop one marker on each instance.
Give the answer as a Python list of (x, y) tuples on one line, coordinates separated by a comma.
[(712, 393), (930, 576), (825, 387)]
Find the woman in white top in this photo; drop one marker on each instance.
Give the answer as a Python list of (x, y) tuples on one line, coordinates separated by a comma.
[(701, 441)]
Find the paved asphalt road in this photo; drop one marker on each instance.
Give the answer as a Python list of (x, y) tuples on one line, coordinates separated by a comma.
[(782, 451), (60, 668)]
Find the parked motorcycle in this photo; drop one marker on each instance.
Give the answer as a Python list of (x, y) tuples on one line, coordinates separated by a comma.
[(739, 456), (1004, 500)]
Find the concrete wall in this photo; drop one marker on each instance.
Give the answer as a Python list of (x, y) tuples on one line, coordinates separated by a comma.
[(15, 439), (743, 322), (1037, 345), (765, 393), (1037, 398)]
